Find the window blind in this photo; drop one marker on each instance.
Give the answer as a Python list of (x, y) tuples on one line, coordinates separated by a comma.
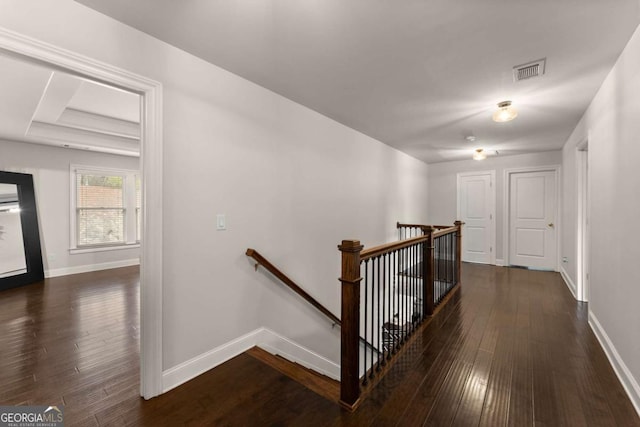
[(100, 209)]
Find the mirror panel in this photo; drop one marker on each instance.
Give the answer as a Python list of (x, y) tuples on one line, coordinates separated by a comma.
[(20, 250), (12, 254)]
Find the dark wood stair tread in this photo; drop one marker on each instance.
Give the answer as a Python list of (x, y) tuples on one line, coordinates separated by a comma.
[(314, 381)]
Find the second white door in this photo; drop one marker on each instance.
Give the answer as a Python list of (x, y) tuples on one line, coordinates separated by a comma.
[(476, 206), (532, 217)]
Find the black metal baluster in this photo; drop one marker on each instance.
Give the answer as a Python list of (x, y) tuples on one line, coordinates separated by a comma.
[(421, 288), (406, 292), (410, 288), (385, 315), (412, 253), (445, 269), (414, 288), (441, 271), (366, 303), (378, 315), (373, 287), (409, 284), (401, 296), (455, 258), (436, 265), (384, 283), (450, 261), (396, 306), (401, 299), (450, 257), (389, 297)]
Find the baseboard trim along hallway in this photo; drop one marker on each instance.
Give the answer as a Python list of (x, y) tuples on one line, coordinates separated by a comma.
[(623, 373), (264, 338), (567, 280)]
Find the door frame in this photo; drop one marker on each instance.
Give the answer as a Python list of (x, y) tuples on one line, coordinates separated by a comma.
[(507, 205), (582, 232), (492, 203), (28, 49)]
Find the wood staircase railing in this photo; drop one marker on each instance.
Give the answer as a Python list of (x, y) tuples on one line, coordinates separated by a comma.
[(401, 284), (405, 283)]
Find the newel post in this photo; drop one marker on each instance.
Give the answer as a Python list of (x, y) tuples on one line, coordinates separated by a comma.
[(350, 329), (428, 275), (458, 249)]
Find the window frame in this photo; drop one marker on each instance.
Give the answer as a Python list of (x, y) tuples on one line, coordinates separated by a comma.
[(129, 208)]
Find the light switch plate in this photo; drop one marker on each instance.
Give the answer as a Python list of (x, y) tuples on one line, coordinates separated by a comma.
[(221, 222)]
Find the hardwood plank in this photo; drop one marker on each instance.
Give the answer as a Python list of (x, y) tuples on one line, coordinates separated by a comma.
[(495, 411), (474, 393)]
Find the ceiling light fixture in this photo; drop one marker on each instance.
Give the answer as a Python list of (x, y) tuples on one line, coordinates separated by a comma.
[(505, 112), (479, 154)]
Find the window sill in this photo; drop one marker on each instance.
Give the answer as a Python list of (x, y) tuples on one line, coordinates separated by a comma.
[(73, 251)]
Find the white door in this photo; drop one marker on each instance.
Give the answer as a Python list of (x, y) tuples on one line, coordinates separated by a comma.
[(476, 206), (532, 217)]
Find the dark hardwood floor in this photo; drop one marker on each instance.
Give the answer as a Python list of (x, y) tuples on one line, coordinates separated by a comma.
[(73, 341), (515, 350)]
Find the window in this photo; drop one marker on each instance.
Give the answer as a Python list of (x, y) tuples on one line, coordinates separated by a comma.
[(105, 208)]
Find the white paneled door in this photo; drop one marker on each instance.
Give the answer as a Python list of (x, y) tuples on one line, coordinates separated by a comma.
[(476, 208), (532, 219)]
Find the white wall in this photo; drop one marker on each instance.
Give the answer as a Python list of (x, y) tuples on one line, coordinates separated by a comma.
[(443, 185), (50, 169), (612, 125), (292, 183)]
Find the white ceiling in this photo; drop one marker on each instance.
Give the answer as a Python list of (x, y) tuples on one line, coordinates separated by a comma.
[(419, 75), (38, 105)]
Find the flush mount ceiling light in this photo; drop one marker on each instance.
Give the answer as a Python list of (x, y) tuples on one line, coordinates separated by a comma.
[(479, 154), (505, 112)]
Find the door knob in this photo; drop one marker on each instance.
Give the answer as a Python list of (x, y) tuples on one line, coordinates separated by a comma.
[(550, 224)]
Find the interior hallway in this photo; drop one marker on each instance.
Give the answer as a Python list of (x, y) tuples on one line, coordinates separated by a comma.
[(515, 349)]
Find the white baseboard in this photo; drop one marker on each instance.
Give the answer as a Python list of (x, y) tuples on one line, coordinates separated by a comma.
[(499, 262), (90, 267), (277, 344), (261, 337), (620, 368), (190, 369), (572, 286)]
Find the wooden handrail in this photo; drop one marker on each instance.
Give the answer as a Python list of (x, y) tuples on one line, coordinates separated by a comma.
[(388, 247), (291, 284), (442, 232), (399, 225)]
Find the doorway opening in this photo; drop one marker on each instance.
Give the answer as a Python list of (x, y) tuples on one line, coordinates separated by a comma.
[(17, 46)]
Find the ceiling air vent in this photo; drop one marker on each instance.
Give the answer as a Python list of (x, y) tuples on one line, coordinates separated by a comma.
[(529, 70)]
